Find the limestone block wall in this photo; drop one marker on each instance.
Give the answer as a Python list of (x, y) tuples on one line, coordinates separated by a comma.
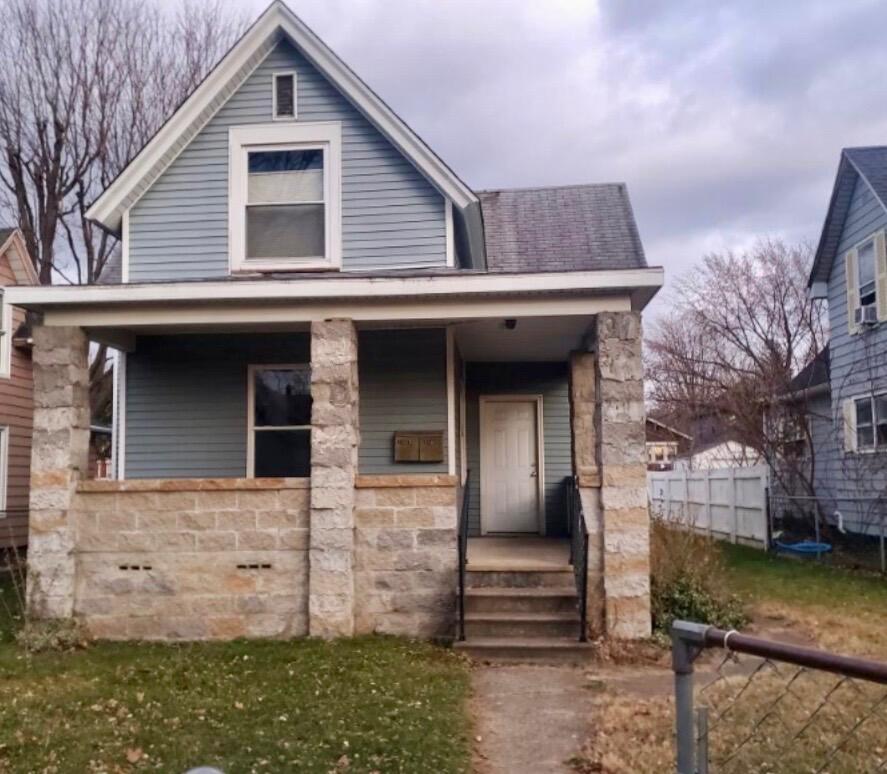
[(188, 560), (406, 560), (622, 463)]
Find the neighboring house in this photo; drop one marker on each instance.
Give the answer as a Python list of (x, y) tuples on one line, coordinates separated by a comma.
[(16, 393), (327, 342), (664, 444), (850, 272), (717, 454)]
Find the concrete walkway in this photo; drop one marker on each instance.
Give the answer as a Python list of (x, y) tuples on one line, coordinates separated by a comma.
[(530, 718)]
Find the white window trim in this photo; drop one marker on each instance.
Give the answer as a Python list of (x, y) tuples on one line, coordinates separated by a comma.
[(4, 467), (252, 370), (6, 339), (870, 240), (118, 417), (274, 77), (242, 139), (851, 427)]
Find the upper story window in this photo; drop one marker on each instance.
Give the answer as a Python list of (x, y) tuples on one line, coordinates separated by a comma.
[(285, 194), (866, 263), (866, 278), (284, 85)]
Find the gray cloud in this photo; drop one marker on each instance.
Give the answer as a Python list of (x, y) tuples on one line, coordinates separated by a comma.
[(725, 119)]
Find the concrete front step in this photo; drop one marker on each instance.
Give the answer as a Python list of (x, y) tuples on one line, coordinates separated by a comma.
[(546, 599), (522, 625), (531, 650), (484, 577)]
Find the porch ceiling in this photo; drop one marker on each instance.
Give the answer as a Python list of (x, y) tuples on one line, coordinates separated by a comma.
[(542, 339)]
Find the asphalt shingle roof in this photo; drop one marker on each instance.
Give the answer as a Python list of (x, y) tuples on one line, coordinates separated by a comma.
[(816, 372), (566, 228)]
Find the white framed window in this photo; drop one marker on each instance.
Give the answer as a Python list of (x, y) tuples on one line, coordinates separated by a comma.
[(284, 90), (865, 420), (285, 197), (866, 277), (4, 467), (5, 337), (279, 421)]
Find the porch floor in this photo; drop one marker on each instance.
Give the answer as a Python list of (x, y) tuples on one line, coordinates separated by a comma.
[(518, 553)]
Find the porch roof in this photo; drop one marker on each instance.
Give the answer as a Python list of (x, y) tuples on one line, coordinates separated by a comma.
[(441, 298)]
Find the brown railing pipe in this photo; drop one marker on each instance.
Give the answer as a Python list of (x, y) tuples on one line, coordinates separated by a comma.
[(849, 666)]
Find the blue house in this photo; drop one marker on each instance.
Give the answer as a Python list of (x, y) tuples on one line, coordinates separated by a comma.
[(845, 389), (336, 363)]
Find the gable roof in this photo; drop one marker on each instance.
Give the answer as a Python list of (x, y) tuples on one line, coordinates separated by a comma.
[(564, 228), (869, 164), (276, 23), (12, 245)]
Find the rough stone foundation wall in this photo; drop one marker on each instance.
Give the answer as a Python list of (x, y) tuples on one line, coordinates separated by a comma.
[(406, 561), (191, 560), (622, 461)]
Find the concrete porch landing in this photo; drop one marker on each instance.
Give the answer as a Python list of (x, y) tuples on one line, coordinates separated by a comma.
[(524, 554)]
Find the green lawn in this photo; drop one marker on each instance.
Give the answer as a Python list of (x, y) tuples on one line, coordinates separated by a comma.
[(763, 577), (362, 705)]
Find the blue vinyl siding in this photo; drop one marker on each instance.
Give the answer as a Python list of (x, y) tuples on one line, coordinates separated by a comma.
[(402, 376), (858, 366), (391, 215), (186, 412), (551, 380), (186, 400)]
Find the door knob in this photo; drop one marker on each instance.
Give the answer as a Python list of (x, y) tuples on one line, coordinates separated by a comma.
[(533, 474)]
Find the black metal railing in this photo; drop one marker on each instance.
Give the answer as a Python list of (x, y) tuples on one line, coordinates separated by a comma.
[(463, 552), (578, 551)]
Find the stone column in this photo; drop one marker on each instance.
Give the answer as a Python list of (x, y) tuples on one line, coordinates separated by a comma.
[(59, 459), (583, 421), (622, 460), (335, 436)]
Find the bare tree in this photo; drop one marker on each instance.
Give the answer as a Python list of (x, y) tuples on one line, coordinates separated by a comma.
[(740, 327), (83, 85)]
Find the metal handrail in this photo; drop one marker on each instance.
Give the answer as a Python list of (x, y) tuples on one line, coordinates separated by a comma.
[(463, 552), (578, 551)]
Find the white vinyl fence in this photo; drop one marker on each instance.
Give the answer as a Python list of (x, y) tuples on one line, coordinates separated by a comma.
[(729, 503)]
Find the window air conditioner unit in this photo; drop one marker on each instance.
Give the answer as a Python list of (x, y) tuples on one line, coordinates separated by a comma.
[(866, 315)]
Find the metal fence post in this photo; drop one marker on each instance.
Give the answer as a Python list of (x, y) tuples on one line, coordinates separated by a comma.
[(687, 640)]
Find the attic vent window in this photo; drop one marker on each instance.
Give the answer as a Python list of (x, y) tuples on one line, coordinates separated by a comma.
[(284, 96)]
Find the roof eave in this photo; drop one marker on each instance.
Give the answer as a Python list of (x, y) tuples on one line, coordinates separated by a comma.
[(107, 210)]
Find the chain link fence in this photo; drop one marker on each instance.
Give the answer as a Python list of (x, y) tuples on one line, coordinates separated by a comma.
[(766, 706)]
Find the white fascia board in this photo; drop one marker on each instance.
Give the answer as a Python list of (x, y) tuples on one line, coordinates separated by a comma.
[(105, 209), (317, 289)]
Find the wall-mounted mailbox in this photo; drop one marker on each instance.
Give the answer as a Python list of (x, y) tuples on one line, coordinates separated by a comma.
[(422, 446)]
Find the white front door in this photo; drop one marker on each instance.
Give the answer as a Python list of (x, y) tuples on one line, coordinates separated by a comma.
[(509, 466)]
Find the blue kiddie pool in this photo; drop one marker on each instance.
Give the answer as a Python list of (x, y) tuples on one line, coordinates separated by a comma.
[(804, 548)]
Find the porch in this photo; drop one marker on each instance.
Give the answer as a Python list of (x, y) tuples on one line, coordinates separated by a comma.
[(269, 480)]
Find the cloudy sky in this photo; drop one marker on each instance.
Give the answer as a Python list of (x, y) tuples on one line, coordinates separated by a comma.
[(725, 119)]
